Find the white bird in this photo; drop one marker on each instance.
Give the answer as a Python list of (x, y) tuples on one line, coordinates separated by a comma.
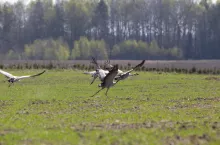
[(12, 78), (126, 74), (107, 80), (96, 74)]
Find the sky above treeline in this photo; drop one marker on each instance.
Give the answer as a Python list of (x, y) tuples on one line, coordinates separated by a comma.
[(26, 1)]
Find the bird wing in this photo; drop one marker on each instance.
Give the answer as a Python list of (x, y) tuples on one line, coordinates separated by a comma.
[(23, 77), (120, 72), (90, 72), (111, 75), (8, 75), (94, 61), (137, 66)]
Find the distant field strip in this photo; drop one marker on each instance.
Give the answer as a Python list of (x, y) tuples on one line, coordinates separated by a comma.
[(182, 64), (151, 108)]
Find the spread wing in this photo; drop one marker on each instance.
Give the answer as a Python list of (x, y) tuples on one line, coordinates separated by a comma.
[(127, 73), (111, 75), (137, 66), (94, 61), (90, 72), (8, 75), (23, 77)]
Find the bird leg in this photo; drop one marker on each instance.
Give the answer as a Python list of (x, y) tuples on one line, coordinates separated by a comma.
[(106, 92), (10, 84), (97, 92), (93, 80), (116, 82)]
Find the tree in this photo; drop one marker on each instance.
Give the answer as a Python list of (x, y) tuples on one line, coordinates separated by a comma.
[(78, 19), (7, 24), (101, 21), (36, 24), (59, 20)]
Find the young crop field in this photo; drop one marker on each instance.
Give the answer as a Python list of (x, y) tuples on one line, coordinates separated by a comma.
[(151, 108)]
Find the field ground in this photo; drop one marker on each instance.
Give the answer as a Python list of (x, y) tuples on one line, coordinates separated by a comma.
[(158, 64), (152, 108)]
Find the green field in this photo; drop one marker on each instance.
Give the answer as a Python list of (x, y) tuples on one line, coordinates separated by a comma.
[(152, 108)]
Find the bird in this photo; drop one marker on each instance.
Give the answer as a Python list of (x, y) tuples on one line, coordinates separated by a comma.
[(93, 74), (99, 70), (108, 66), (107, 80), (12, 79), (126, 74)]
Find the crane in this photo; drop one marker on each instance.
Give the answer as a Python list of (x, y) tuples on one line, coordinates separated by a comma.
[(107, 81), (126, 74), (95, 74), (11, 78)]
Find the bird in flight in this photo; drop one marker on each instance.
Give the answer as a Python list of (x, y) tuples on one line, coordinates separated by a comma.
[(11, 78), (126, 74), (108, 66), (107, 81), (96, 74)]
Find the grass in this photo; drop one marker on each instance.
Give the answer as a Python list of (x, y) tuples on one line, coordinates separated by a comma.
[(152, 108)]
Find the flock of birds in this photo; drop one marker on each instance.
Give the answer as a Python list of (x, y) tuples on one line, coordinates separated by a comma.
[(109, 75)]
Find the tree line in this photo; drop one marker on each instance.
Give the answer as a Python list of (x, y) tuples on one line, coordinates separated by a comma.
[(115, 29)]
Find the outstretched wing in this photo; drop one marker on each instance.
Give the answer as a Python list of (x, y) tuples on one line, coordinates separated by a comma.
[(8, 75), (94, 61), (111, 75), (90, 72), (137, 66), (23, 77), (126, 74)]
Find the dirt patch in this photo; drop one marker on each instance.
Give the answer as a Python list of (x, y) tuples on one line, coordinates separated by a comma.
[(197, 103), (4, 103), (212, 78), (38, 102), (121, 126), (185, 106), (207, 99), (163, 125), (192, 139), (8, 131)]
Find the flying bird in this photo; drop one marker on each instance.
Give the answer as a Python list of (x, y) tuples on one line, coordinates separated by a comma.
[(11, 78), (125, 75), (99, 70), (107, 80), (108, 66)]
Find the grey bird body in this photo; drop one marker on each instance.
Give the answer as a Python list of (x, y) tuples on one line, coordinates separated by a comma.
[(108, 80)]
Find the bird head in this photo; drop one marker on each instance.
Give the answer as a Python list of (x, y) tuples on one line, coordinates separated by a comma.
[(11, 80)]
